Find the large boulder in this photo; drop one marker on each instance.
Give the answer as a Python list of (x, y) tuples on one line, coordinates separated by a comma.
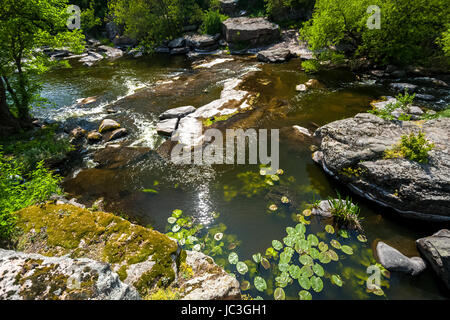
[(36, 277), (436, 250), (394, 260), (144, 259), (277, 55), (245, 33), (108, 125), (353, 151)]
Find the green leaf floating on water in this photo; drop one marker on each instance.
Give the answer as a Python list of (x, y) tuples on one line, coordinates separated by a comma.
[(283, 280), (344, 233), (177, 213), (305, 295), (307, 272), (242, 268), (324, 258), (257, 257), (260, 284), (277, 245), (336, 244), (300, 228), (329, 229), (318, 270), (333, 255), (279, 294), (176, 228), (314, 253), (152, 191), (289, 241), (313, 241), (335, 279), (283, 267), (172, 220), (233, 258), (306, 260), (265, 263), (362, 238), (323, 246), (304, 282), (347, 249), (316, 284), (295, 271)]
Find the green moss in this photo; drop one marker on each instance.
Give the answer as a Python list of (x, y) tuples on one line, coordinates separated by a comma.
[(122, 272), (210, 121), (164, 294)]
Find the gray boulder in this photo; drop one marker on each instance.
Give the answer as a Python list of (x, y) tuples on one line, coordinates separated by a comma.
[(110, 52), (36, 277), (352, 151), (402, 87), (394, 260), (167, 127), (202, 42), (177, 113), (277, 55), (436, 250), (244, 33), (177, 43)]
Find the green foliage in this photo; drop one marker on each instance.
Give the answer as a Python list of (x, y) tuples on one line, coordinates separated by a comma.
[(212, 22), (20, 188), (280, 9), (31, 148), (445, 41), (409, 30), (345, 213), (403, 102), (412, 147), (26, 25), (153, 21)]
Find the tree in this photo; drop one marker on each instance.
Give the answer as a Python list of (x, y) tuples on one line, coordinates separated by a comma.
[(25, 27), (153, 21), (409, 29)]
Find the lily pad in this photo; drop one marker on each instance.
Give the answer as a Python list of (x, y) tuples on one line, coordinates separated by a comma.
[(335, 244), (289, 241), (283, 267), (177, 213), (265, 263), (306, 260), (304, 282), (329, 229), (218, 236), (260, 284), (324, 258), (176, 228), (362, 238), (277, 245), (347, 250), (305, 295), (242, 268), (333, 255), (307, 213), (279, 294), (172, 220), (313, 240), (295, 271), (323, 246), (257, 257), (307, 272), (233, 258), (300, 228), (318, 270), (316, 284), (314, 253), (335, 279)]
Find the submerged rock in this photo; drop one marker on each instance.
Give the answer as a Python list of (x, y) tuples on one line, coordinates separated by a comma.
[(352, 150), (36, 277), (394, 260), (436, 250)]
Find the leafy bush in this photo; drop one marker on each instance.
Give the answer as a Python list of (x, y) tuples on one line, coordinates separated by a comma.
[(212, 22), (19, 189), (345, 213), (412, 147), (403, 102)]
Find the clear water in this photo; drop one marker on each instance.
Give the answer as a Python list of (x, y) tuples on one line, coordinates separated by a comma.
[(137, 89)]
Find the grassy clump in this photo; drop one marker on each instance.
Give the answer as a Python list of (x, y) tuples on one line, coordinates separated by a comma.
[(20, 188), (212, 22), (412, 147), (345, 213), (403, 102)]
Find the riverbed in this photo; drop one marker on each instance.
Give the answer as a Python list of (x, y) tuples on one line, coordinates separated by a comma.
[(136, 91)]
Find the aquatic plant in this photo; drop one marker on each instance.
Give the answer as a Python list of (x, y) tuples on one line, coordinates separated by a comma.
[(345, 213)]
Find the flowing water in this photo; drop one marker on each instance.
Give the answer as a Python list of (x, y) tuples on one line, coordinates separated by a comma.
[(140, 89)]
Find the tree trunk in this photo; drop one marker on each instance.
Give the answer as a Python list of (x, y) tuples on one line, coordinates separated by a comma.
[(8, 123)]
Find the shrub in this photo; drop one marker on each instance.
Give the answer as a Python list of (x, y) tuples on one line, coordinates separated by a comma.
[(19, 189), (212, 22), (412, 147), (403, 102)]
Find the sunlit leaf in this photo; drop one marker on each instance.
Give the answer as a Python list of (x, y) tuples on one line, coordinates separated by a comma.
[(242, 268), (318, 270), (336, 279), (347, 249), (329, 229), (279, 294), (233, 258), (277, 245), (305, 295), (260, 284), (316, 284)]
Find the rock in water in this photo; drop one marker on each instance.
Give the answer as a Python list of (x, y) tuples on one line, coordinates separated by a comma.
[(36, 277), (244, 33), (278, 55), (352, 150), (117, 134), (394, 260), (436, 250), (180, 112), (94, 137), (167, 127), (108, 125)]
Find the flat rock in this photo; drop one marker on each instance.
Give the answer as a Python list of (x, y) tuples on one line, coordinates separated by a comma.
[(277, 55), (402, 87), (394, 260), (415, 190), (36, 277), (177, 113), (247, 32), (167, 127), (436, 250), (202, 41), (112, 53)]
